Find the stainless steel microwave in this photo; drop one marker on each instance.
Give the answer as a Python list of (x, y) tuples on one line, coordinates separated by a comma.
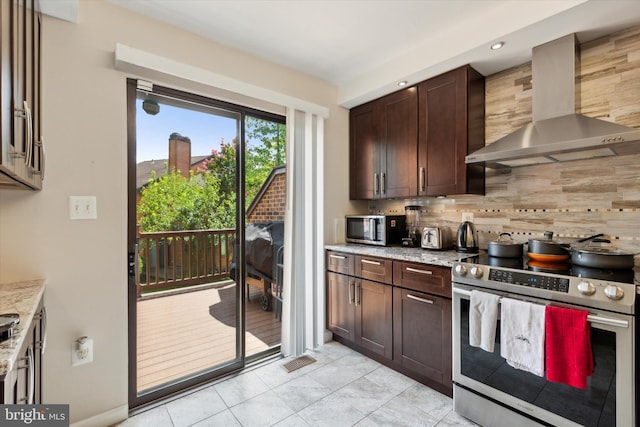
[(381, 230)]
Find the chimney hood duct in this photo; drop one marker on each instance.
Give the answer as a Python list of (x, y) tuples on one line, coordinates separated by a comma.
[(557, 134)]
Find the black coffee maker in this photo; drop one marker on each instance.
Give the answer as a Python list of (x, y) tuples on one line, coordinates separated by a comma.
[(467, 238)]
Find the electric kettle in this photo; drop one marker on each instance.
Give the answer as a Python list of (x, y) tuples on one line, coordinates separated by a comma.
[(467, 239)]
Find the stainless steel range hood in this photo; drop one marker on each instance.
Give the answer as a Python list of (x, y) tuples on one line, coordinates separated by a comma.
[(557, 134)]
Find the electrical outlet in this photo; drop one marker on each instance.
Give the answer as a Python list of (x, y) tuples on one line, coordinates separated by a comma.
[(81, 356), (82, 207), (467, 216)]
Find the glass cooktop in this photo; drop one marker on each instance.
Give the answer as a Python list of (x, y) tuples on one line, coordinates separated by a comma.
[(559, 268)]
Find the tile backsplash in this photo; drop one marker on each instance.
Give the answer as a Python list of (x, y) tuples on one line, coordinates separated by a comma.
[(572, 199)]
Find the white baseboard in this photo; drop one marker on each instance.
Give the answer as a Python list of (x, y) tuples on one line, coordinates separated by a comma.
[(105, 419)]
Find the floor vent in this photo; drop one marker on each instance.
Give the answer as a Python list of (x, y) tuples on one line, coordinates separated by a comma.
[(298, 363)]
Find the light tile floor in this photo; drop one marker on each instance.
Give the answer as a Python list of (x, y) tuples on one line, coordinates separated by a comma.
[(342, 388)]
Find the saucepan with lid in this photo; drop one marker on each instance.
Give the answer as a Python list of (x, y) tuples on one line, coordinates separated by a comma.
[(505, 248)]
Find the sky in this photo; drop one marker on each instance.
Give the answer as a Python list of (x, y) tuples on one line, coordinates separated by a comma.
[(205, 130)]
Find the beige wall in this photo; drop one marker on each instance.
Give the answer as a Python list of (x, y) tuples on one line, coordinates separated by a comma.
[(85, 133), (573, 199)]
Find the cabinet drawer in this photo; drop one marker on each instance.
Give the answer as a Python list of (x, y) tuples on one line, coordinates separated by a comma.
[(340, 262), (423, 277), (376, 269)]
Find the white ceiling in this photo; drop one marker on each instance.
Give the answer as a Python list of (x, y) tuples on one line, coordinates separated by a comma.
[(366, 47)]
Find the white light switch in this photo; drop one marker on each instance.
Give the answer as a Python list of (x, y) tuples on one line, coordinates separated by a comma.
[(83, 207)]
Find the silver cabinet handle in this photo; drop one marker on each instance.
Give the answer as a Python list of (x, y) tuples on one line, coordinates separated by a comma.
[(32, 376), (423, 176), (383, 190), (376, 190), (29, 156), (366, 261), (337, 256), (415, 270), (43, 342), (23, 113), (28, 359), (413, 297), (351, 292)]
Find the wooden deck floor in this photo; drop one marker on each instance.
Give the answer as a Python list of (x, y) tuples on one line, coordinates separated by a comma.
[(182, 334)]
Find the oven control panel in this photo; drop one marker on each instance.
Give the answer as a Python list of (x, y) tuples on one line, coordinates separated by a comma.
[(558, 284), (589, 292)]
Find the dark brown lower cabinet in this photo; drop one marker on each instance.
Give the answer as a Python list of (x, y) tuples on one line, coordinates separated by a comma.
[(422, 334), (341, 314), (401, 318), (361, 312), (374, 317)]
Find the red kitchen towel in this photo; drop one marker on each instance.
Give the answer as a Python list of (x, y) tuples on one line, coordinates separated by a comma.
[(568, 354)]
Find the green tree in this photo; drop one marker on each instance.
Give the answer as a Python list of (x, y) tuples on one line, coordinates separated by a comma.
[(173, 202), (266, 149), (207, 199)]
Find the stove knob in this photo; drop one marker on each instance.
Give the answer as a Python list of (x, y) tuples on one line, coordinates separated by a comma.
[(460, 270), (613, 292), (586, 288), (476, 272)]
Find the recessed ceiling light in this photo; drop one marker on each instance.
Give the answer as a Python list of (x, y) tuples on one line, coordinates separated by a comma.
[(402, 83), (497, 45)]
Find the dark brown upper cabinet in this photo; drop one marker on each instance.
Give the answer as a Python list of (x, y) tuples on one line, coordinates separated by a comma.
[(383, 145), (21, 149), (450, 126)]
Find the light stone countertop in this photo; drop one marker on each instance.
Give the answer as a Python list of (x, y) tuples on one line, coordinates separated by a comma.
[(444, 258), (22, 298)]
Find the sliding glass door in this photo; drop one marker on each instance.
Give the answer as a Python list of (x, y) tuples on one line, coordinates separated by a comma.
[(200, 302)]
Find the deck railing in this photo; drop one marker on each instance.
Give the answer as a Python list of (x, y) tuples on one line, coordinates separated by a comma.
[(175, 259)]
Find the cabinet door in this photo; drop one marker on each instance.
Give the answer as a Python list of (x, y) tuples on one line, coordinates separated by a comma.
[(399, 143), (422, 334), (374, 310), (364, 165), (341, 305), (451, 125), (442, 139), (6, 112), (21, 158), (27, 382)]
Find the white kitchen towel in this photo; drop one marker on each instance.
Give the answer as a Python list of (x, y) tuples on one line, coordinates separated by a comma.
[(483, 320), (522, 335)]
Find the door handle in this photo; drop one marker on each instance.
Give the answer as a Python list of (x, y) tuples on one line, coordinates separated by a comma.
[(366, 261), (423, 176), (383, 190)]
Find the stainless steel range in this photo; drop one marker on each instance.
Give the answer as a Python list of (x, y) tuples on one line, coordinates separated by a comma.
[(492, 393)]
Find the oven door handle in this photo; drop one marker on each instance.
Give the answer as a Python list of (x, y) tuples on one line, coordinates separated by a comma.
[(593, 318)]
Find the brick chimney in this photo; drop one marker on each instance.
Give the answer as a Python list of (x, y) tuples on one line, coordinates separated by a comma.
[(180, 154)]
